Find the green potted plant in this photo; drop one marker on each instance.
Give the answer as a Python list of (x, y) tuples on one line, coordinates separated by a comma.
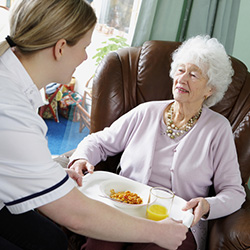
[(112, 44)]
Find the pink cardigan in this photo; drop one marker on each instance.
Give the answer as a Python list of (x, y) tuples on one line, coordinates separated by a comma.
[(205, 156)]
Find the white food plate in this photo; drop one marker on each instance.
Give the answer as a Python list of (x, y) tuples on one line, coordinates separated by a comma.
[(94, 186)]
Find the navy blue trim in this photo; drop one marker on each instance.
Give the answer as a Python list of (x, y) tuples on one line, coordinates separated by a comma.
[(32, 196)]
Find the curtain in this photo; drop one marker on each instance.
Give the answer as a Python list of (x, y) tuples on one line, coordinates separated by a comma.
[(178, 20), (157, 20), (8, 3)]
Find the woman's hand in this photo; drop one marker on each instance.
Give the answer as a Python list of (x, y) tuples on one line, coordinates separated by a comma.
[(172, 234), (200, 208), (75, 176), (81, 166)]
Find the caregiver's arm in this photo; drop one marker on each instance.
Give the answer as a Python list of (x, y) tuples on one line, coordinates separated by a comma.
[(97, 220)]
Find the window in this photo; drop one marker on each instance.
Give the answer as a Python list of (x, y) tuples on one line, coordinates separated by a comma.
[(6, 3), (4, 21), (115, 18)]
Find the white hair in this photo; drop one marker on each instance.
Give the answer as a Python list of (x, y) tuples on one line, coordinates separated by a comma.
[(210, 56)]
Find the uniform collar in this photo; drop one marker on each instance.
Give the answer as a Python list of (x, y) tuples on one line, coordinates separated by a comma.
[(21, 77)]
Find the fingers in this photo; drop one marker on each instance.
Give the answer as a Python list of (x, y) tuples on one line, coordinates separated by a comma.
[(193, 204), (75, 176), (190, 204), (177, 221), (182, 231), (77, 169), (79, 180), (200, 207), (81, 166), (174, 235), (90, 168)]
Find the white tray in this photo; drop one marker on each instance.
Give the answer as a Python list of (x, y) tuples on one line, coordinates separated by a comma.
[(91, 188)]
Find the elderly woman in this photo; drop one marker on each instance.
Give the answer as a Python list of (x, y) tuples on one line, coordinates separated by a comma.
[(187, 146)]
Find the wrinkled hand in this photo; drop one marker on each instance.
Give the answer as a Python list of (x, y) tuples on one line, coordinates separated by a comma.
[(75, 176), (81, 165), (200, 208), (172, 235)]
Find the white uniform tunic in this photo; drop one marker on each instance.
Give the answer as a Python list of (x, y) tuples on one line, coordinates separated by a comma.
[(29, 177)]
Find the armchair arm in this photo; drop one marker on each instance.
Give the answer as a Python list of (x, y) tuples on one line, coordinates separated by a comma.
[(233, 231), (68, 153), (63, 159), (111, 164)]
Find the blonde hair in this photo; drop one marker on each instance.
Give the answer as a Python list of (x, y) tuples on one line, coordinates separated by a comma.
[(39, 24)]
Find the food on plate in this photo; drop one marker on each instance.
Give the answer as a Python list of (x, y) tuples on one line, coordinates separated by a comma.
[(126, 197), (157, 212)]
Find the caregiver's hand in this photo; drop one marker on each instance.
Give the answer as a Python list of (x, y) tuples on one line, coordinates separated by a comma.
[(200, 208), (81, 166), (172, 234)]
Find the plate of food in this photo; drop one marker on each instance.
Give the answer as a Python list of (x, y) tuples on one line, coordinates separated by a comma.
[(124, 194)]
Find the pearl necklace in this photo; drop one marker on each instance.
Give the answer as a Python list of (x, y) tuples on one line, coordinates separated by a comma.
[(184, 129)]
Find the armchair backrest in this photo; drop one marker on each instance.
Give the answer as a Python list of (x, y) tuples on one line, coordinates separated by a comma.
[(135, 75)]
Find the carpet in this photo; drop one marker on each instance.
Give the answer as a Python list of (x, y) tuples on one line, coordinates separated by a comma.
[(64, 135)]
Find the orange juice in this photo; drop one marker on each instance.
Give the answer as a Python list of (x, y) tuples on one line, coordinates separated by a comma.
[(157, 212)]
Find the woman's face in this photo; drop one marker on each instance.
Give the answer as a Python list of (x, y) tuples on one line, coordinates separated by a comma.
[(190, 85), (73, 56)]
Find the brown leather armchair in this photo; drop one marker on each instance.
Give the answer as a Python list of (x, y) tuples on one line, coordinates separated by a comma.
[(135, 75)]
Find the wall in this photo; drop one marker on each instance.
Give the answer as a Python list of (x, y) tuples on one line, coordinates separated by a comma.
[(241, 44)]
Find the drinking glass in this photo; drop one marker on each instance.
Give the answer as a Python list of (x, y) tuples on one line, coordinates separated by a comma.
[(159, 203)]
